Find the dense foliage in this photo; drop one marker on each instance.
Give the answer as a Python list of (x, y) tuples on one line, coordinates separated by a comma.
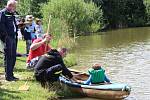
[(147, 4), (24, 7), (2, 3), (80, 17), (83, 15), (36, 6), (33, 7), (123, 13)]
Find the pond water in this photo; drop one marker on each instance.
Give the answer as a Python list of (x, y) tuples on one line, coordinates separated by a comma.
[(124, 54)]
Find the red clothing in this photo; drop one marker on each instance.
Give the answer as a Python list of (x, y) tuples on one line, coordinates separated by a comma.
[(39, 51)]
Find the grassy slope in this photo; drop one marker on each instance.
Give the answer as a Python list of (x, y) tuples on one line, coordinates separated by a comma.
[(9, 90)]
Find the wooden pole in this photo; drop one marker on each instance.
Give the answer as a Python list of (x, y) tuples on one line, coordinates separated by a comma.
[(47, 32), (48, 27)]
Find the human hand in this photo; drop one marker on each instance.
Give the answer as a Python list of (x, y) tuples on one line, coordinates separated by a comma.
[(109, 82), (47, 38)]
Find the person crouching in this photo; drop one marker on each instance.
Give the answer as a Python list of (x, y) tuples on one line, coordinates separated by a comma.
[(50, 66)]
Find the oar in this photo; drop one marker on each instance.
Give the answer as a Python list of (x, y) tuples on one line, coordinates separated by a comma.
[(49, 22), (25, 87), (47, 32), (74, 70)]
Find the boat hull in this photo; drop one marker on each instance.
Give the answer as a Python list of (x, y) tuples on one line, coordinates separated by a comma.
[(113, 91), (100, 94), (97, 93)]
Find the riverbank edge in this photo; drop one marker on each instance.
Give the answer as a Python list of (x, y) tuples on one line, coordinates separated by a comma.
[(10, 90)]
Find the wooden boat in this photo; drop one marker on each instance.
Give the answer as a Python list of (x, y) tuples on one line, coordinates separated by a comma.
[(114, 91)]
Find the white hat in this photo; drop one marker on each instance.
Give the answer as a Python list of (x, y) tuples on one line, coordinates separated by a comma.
[(29, 17)]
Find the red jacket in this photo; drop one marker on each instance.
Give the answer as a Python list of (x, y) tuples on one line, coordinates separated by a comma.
[(39, 51)]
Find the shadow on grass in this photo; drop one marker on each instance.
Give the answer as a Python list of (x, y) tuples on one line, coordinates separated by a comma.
[(29, 80), (22, 60), (8, 95), (22, 70)]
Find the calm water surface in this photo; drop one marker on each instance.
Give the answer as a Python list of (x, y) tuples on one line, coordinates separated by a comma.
[(125, 54)]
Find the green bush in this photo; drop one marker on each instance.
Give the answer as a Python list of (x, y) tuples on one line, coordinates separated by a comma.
[(59, 31), (36, 6), (23, 7), (147, 4), (78, 15), (123, 13), (2, 4), (70, 60), (33, 7)]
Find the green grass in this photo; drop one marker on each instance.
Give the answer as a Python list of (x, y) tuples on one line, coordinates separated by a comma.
[(9, 90)]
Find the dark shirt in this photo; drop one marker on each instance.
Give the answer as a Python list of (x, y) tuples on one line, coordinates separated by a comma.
[(54, 58), (8, 23), (26, 34)]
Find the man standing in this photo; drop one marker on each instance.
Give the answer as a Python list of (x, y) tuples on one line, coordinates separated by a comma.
[(8, 27)]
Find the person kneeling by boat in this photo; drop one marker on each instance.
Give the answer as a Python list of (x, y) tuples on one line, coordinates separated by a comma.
[(97, 75), (50, 66)]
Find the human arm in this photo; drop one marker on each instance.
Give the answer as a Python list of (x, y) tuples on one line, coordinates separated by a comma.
[(3, 29), (34, 45), (37, 44), (66, 72), (106, 79), (88, 81)]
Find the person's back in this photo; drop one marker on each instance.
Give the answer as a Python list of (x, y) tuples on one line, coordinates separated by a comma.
[(50, 59), (97, 75), (27, 33), (50, 66)]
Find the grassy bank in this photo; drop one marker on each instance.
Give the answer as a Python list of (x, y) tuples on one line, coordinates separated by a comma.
[(9, 90)]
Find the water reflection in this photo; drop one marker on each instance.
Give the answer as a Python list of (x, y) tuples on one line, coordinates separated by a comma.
[(125, 55)]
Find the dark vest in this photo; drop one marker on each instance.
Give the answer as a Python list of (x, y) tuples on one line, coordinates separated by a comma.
[(7, 23)]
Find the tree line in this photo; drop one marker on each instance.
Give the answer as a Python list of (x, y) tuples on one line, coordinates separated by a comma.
[(86, 16)]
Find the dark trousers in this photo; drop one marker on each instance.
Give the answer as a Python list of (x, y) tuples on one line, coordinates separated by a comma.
[(28, 44), (51, 72), (10, 56)]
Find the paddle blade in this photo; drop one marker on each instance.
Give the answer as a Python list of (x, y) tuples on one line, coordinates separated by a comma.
[(24, 88)]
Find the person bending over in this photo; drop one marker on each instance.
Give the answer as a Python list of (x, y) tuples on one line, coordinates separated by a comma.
[(50, 66)]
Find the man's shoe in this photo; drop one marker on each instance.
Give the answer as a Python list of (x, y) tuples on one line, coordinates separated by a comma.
[(15, 78), (12, 79)]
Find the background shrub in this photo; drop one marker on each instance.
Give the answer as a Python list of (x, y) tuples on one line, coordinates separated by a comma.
[(77, 15)]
